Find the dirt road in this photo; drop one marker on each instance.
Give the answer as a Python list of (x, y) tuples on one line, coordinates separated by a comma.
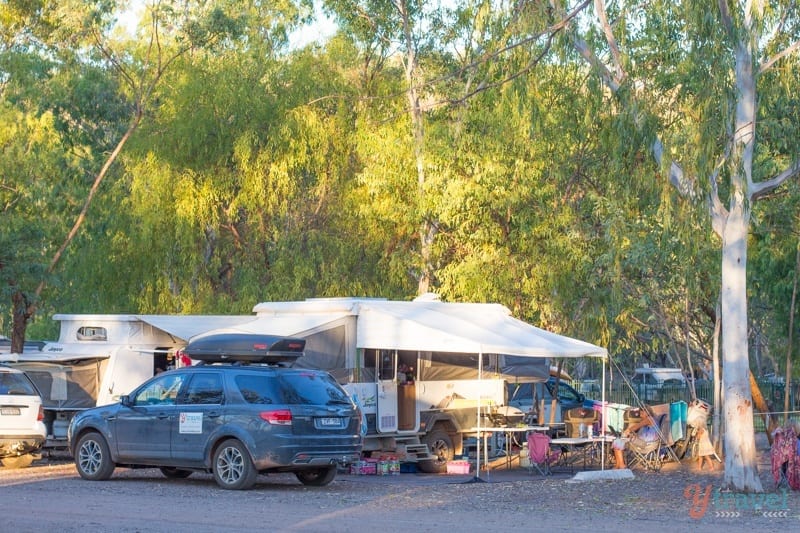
[(50, 496)]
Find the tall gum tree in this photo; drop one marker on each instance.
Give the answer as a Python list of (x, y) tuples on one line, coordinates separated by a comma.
[(757, 37), (170, 30)]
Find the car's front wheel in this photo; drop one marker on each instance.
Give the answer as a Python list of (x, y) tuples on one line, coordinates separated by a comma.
[(92, 458), (317, 478), (233, 468)]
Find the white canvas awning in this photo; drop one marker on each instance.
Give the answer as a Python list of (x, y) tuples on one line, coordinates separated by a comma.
[(425, 326), (462, 328)]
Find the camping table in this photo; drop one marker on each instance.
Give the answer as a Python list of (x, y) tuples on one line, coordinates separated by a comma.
[(582, 448), (508, 432)]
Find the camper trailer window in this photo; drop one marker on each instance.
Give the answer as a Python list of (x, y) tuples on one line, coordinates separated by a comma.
[(92, 333), (387, 364)]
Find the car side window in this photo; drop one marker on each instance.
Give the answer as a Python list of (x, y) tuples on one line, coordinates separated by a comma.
[(161, 391), (257, 389), (204, 389)]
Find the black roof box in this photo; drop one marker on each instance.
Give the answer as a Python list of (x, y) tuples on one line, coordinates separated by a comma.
[(245, 347)]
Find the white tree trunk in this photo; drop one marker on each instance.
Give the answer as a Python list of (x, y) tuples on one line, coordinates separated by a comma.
[(741, 473)]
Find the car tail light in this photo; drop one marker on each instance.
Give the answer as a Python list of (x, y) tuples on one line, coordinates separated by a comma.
[(280, 417), (40, 417)]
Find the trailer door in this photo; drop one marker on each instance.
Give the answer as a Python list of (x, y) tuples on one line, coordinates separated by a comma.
[(387, 391)]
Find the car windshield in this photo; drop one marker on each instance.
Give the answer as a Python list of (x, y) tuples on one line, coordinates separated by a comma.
[(302, 388), (565, 392), (14, 384)]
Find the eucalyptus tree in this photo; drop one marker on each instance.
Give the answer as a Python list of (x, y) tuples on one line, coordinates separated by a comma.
[(53, 108), (243, 186), (691, 75), (444, 54), (87, 29), (402, 33)]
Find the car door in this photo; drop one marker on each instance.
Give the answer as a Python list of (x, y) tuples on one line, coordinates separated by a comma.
[(200, 414), (143, 428)]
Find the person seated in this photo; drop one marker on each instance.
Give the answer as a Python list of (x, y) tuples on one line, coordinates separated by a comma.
[(644, 430)]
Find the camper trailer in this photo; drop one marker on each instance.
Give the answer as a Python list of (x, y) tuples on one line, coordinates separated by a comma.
[(425, 373), (98, 358)]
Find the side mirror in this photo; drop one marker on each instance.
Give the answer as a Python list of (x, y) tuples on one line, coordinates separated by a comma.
[(125, 400)]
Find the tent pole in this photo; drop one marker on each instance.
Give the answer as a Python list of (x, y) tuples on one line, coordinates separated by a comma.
[(605, 419), (478, 437)]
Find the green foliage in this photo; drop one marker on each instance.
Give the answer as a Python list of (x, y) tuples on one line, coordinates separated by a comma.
[(262, 173)]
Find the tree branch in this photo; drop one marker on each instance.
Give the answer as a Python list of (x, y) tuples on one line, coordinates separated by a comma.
[(766, 65), (600, 7), (762, 188)]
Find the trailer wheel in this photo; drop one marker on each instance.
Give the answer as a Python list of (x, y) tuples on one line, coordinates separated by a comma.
[(441, 447)]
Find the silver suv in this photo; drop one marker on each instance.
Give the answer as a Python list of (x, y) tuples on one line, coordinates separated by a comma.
[(237, 414), (22, 430)]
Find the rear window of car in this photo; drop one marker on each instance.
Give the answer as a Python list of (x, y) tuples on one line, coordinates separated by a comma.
[(13, 384), (304, 388)]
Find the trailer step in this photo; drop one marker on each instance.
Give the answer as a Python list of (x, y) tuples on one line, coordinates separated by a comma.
[(417, 452)]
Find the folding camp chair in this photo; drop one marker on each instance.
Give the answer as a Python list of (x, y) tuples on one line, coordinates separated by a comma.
[(539, 452), (648, 454), (579, 417)]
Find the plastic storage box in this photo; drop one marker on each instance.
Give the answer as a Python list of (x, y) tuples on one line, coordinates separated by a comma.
[(458, 467)]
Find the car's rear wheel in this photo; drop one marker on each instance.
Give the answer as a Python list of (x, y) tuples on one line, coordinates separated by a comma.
[(175, 473), (92, 458), (233, 468), (17, 461), (317, 478)]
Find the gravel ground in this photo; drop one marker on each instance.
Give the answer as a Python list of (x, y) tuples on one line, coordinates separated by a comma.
[(50, 496)]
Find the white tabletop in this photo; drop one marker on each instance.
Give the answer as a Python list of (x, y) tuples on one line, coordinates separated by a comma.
[(582, 440), (511, 429)]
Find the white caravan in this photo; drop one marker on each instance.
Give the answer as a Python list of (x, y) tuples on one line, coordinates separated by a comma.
[(98, 358), (420, 370)]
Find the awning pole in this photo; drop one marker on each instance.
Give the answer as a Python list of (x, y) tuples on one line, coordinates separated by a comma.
[(605, 419), (477, 477)]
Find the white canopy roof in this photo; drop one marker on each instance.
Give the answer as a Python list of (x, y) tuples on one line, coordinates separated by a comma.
[(423, 326), (462, 327)]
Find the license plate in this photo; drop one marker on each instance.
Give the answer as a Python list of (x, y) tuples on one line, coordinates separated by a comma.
[(330, 422), (9, 411)]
